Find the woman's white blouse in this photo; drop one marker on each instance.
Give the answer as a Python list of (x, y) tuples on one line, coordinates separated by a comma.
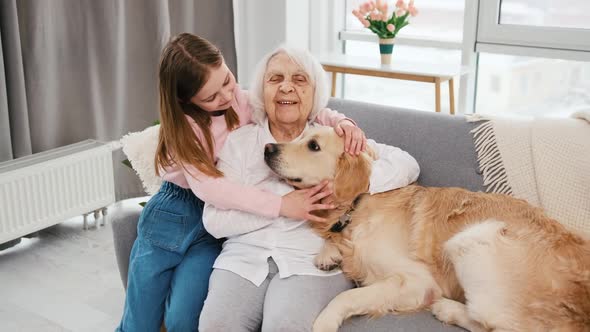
[(252, 239)]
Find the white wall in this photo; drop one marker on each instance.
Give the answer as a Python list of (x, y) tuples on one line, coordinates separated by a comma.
[(262, 25), (327, 18), (297, 23), (258, 28)]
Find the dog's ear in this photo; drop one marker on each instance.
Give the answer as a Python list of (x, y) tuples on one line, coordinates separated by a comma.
[(352, 177)]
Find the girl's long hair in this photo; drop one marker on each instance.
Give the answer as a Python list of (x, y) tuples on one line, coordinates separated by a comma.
[(184, 68)]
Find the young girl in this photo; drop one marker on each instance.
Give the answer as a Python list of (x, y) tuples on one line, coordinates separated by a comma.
[(173, 255)]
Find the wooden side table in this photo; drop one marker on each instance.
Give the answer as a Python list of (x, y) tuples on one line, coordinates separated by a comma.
[(401, 70)]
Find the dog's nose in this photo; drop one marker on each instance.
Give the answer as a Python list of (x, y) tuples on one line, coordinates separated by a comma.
[(270, 150)]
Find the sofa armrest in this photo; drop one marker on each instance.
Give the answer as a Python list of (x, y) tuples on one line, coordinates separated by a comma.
[(124, 223)]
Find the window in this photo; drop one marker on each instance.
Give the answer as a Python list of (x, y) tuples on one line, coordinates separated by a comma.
[(531, 86), (437, 30), (538, 46), (438, 20), (559, 14), (405, 94), (495, 83), (561, 25), (530, 56)]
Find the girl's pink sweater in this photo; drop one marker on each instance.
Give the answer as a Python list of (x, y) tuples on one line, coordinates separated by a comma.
[(225, 194)]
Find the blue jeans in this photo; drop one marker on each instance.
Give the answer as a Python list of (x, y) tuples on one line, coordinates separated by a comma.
[(170, 264)]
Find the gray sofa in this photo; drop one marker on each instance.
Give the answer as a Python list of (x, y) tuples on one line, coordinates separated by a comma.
[(441, 144)]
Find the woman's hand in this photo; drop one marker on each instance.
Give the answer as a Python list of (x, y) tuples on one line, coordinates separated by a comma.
[(299, 203), (354, 138)]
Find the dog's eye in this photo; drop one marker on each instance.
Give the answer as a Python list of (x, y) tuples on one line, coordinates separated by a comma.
[(313, 145)]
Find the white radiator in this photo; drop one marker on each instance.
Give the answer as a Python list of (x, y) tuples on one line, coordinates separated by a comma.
[(47, 188)]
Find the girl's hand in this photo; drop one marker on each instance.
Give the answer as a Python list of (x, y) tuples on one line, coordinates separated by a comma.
[(299, 203), (354, 138)]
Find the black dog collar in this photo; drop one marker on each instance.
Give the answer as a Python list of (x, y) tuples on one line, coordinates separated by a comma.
[(346, 218), (343, 221)]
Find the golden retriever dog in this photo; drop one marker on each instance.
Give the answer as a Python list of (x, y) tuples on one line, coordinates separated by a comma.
[(485, 262)]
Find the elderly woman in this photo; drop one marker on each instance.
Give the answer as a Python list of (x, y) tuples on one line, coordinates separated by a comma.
[(266, 268)]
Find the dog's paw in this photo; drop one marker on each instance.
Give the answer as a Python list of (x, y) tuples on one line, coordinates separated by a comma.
[(328, 259), (448, 311), (327, 267), (325, 323)]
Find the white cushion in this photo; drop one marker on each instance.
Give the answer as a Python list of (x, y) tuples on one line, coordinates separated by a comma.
[(140, 149)]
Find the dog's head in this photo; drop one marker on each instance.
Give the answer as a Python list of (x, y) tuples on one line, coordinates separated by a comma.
[(317, 156)]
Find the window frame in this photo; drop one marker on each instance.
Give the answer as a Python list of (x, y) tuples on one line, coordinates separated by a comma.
[(403, 40), (513, 39)]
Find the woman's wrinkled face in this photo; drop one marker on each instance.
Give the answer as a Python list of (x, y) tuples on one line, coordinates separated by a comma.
[(218, 91), (288, 92)]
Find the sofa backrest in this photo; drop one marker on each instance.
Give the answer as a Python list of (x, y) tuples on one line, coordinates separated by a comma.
[(441, 143)]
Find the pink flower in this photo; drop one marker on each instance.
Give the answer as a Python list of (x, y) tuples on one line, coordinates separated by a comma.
[(371, 5), (358, 15), (383, 8), (412, 9), (375, 16), (365, 8), (400, 12), (390, 27), (400, 4), (365, 23)]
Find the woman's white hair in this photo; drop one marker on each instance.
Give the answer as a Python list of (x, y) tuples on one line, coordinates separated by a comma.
[(310, 65)]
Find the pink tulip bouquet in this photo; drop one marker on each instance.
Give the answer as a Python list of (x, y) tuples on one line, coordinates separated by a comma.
[(375, 17)]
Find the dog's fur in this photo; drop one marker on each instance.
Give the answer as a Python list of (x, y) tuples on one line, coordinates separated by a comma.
[(485, 262)]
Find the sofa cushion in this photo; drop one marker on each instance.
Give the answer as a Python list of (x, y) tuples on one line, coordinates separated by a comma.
[(442, 144), (422, 321)]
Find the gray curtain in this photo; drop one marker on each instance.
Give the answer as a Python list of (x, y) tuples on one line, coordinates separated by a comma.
[(77, 69)]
